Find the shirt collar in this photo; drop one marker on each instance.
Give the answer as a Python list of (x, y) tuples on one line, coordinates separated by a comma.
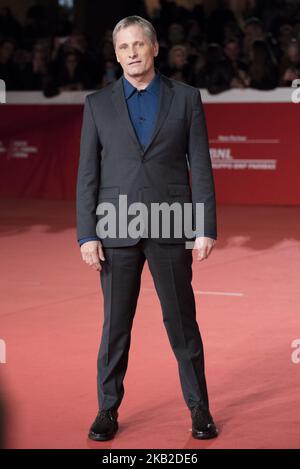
[(152, 88)]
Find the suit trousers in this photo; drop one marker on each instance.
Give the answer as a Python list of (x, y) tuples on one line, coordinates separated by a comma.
[(171, 268)]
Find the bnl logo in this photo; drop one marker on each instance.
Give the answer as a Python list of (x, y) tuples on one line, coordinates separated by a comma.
[(2, 351), (2, 92)]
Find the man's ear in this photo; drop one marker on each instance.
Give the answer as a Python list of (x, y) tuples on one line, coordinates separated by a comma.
[(156, 49)]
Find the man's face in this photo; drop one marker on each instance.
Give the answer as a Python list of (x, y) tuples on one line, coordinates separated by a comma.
[(135, 52), (232, 50), (254, 32)]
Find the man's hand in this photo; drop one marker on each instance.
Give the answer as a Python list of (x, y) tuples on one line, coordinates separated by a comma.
[(91, 253), (204, 246)]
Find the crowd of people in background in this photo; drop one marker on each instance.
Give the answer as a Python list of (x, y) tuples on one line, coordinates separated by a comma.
[(260, 49)]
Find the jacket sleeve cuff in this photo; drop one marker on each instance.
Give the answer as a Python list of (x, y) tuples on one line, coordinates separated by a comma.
[(85, 240)]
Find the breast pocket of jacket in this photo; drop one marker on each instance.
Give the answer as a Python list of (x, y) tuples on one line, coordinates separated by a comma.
[(180, 192)]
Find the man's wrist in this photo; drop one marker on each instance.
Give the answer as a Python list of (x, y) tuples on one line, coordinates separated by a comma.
[(207, 235), (85, 240)]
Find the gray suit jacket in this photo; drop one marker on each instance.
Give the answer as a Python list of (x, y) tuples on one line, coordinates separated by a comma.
[(112, 161)]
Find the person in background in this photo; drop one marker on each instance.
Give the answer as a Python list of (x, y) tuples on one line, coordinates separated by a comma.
[(8, 69), (178, 65), (70, 76), (218, 72), (290, 64), (232, 51), (263, 70), (33, 73)]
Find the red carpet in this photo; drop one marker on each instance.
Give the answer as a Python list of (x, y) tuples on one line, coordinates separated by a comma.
[(248, 304)]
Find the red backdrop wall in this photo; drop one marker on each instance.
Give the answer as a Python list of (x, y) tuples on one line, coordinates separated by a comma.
[(254, 149)]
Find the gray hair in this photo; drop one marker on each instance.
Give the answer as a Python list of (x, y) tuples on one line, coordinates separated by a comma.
[(135, 20)]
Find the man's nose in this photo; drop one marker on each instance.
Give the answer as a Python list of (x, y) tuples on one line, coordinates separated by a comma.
[(132, 53)]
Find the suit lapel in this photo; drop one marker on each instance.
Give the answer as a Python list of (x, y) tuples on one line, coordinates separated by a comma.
[(165, 99), (122, 110)]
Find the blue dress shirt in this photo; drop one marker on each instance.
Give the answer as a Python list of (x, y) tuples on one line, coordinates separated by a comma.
[(143, 110)]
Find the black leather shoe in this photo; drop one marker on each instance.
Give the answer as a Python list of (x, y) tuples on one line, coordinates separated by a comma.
[(203, 426), (105, 425)]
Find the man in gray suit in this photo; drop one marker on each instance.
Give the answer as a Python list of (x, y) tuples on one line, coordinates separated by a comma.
[(140, 137)]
